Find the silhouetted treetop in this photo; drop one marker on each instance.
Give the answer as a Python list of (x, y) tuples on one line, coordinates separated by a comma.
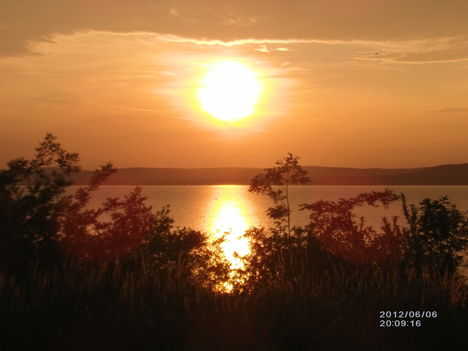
[(274, 182)]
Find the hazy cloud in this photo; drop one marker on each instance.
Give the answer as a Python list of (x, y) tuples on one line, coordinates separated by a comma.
[(25, 21)]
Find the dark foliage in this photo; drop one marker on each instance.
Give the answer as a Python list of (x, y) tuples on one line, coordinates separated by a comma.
[(436, 237), (31, 201), (44, 223), (275, 182), (335, 225), (122, 277)]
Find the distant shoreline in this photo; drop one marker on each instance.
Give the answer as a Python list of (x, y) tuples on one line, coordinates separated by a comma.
[(438, 175)]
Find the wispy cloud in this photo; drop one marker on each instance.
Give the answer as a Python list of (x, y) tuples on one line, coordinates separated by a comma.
[(423, 51), (404, 52), (265, 49), (227, 43)]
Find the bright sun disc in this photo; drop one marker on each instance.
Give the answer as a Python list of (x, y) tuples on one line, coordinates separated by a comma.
[(229, 91)]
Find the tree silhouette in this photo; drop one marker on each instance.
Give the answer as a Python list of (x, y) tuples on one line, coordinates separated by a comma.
[(31, 200), (275, 182)]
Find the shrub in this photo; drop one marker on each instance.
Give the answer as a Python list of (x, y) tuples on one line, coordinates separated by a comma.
[(436, 237), (336, 227)]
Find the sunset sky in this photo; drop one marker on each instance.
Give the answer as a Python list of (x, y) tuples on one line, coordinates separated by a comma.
[(352, 83)]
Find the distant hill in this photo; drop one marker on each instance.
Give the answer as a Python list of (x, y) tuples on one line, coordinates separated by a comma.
[(438, 175)]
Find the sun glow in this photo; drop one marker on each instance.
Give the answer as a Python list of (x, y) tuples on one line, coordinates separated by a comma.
[(229, 91)]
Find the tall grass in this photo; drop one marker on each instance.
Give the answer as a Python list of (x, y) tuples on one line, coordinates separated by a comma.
[(109, 306)]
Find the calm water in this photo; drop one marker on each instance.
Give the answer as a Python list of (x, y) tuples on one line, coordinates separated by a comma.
[(230, 209), (207, 206)]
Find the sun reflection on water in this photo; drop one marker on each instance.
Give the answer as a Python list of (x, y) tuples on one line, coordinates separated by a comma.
[(228, 221)]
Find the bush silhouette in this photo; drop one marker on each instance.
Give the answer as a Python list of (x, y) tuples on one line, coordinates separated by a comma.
[(336, 227), (42, 222), (436, 237)]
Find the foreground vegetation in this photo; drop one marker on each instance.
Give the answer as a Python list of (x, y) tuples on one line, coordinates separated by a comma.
[(123, 277)]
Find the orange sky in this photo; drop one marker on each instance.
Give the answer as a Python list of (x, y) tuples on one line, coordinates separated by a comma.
[(360, 83)]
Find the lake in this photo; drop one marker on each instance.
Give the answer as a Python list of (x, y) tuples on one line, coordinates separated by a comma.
[(202, 207), (220, 209)]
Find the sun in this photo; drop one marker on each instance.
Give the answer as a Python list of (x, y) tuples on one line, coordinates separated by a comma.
[(229, 91)]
